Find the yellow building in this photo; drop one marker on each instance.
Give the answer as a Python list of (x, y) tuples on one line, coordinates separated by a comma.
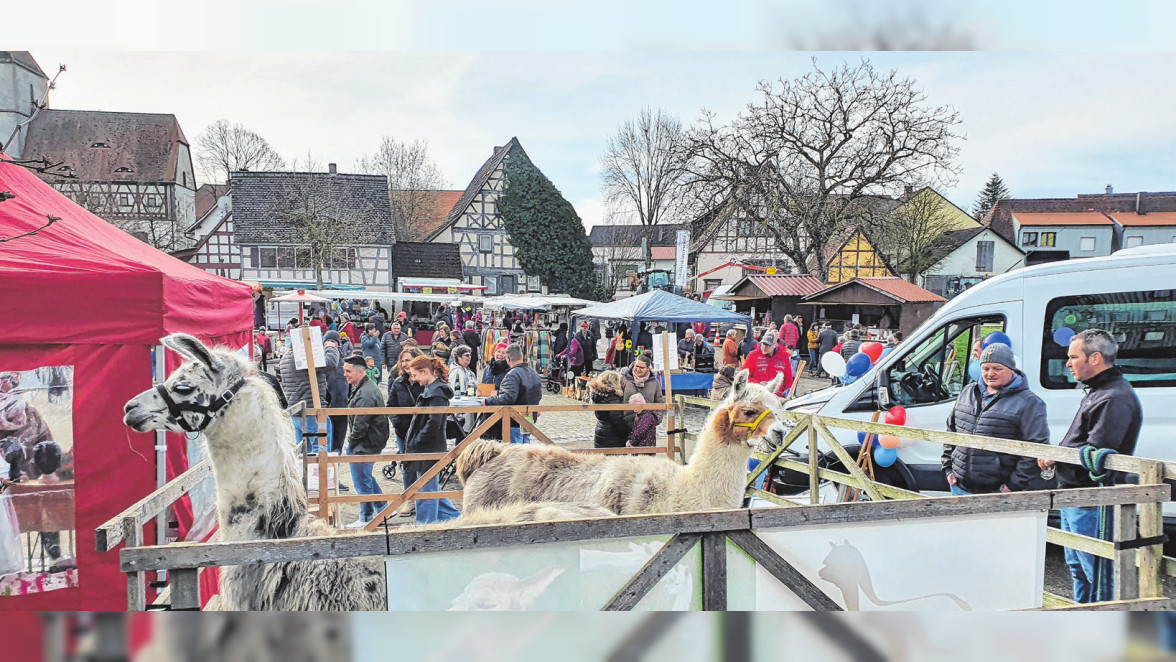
[(856, 258)]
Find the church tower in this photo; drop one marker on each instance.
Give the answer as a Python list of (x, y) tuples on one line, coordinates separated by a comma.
[(21, 83)]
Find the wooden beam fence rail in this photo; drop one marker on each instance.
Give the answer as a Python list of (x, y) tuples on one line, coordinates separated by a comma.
[(685, 530)]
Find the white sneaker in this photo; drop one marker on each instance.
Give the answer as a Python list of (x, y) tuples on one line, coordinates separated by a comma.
[(357, 524)]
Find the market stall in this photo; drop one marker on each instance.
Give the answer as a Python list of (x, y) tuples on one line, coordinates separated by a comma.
[(103, 301)]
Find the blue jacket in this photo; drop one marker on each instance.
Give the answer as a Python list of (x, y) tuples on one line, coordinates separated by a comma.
[(373, 349)]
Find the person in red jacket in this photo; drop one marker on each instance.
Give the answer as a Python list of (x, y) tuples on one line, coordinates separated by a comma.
[(768, 360)]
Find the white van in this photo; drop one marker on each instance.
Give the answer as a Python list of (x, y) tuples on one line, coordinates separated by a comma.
[(1131, 294)]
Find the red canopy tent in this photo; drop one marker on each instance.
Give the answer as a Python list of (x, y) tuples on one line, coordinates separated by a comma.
[(85, 294)]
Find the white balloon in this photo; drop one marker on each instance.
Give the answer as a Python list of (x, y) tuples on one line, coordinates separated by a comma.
[(833, 364)]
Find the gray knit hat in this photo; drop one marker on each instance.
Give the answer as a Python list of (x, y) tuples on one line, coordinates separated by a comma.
[(333, 335), (999, 353)]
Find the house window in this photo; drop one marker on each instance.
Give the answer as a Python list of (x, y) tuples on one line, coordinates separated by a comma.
[(984, 251), (123, 170), (491, 286), (1086, 244), (302, 258), (124, 199), (269, 258), (100, 144), (709, 284), (745, 228), (1049, 239), (254, 261), (485, 243), (1133, 241), (1028, 238), (285, 257), (533, 283)]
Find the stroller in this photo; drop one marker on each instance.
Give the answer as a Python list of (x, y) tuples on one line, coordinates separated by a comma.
[(559, 375)]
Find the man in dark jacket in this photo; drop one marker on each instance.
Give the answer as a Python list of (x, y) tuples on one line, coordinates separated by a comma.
[(587, 340), (1109, 417), (1002, 406), (296, 386), (336, 396), (826, 341), (443, 315), (853, 342), (391, 344), (369, 434), (521, 386), (472, 340)]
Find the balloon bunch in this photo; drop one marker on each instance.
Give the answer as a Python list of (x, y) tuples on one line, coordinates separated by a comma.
[(857, 365), (886, 452)]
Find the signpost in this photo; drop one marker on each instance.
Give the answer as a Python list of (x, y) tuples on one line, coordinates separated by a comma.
[(681, 255)]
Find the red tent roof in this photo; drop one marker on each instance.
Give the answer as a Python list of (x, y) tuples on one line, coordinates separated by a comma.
[(82, 280)]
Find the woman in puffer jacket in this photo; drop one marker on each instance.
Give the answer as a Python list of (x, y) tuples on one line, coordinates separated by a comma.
[(612, 430)]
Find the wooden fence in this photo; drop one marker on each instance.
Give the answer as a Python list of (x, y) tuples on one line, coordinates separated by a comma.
[(1137, 569)]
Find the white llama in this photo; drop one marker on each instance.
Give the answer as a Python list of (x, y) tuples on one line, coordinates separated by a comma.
[(260, 495), (497, 474)]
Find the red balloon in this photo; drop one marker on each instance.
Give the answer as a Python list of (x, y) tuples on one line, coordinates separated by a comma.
[(896, 416), (873, 350)]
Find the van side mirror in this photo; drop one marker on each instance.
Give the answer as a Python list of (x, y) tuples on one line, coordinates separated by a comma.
[(883, 393)]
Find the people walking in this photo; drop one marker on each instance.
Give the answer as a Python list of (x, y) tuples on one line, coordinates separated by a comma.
[(390, 345), (368, 436), (1108, 421), (426, 434), (814, 333), (472, 340)]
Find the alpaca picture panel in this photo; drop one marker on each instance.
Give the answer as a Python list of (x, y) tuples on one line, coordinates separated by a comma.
[(37, 541)]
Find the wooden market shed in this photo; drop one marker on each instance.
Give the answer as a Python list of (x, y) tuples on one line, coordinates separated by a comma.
[(887, 303), (780, 294)]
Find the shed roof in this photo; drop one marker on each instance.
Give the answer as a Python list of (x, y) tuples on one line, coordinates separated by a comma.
[(896, 288), (788, 285)]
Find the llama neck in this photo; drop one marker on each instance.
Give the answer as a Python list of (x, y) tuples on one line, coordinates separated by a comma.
[(716, 472), (259, 488)]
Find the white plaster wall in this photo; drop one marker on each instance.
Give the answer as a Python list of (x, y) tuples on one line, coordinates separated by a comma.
[(962, 261)]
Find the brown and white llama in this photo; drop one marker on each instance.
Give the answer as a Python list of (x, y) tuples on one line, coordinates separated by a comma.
[(260, 495), (497, 474)]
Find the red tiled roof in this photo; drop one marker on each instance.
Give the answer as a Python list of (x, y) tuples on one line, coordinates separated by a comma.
[(902, 289), (790, 285), (1137, 220), (437, 217), (1063, 218), (663, 252)]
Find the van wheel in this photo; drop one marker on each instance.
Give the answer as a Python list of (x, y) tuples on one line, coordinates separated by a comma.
[(896, 474)]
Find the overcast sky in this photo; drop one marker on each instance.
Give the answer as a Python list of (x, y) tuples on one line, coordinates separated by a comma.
[(1051, 121)]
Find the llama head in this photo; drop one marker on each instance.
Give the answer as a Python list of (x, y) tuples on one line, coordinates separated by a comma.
[(194, 394), (748, 411)]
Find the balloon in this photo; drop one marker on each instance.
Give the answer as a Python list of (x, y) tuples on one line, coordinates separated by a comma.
[(996, 336), (1063, 336), (886, 350), (858, 365), (896, 416), (888, 441), (885, 456), (833, 364), (974, 370), (1071, 318), (862, 438), (873, 350)]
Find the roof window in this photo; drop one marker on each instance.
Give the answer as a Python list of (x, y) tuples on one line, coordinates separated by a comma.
[(123, 169), (100, 144)]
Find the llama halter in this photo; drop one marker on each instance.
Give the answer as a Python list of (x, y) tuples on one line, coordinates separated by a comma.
[(208, 412), (754, 424)]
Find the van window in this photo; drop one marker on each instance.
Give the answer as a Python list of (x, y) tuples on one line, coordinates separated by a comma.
[(1144, 324), (936, 370)]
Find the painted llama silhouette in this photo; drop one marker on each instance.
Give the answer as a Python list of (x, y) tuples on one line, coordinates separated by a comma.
[(846, 568)]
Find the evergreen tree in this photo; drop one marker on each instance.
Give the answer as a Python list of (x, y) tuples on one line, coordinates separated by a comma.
[(994, 191), (545, 230)]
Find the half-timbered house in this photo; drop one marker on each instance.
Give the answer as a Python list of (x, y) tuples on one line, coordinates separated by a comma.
[(474, 224), (716, 241), (132, 169), (216, 249), (267, 208)]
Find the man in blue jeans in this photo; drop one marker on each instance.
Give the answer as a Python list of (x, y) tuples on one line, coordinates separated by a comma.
[(1109, 417), (368, 435), (521, 386)]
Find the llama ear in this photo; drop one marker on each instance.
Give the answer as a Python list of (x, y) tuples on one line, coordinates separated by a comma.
[(774, 385), (192, 349), (739, 386)]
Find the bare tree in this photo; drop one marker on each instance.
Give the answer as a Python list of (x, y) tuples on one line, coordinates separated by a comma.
[(910, 231), (811, 154), (223, 148), (413, 178), (327, 227), (643, 167)]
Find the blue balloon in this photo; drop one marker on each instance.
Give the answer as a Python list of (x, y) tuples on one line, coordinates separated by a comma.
[(885, 456), (996, 336), (974, 370), (858, 364), (1063, 336), (861, 438)]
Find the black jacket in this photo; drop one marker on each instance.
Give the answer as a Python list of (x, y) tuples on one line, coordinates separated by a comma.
[(426, 432), (588, 344), (368, 432), (611, 429), (521, 386), (561, 342), (495, 372), (402, 393), (849, 348), (472, 340), (392, 346), (445, 318), (1013, 413), (1108, 417), (826, 341)]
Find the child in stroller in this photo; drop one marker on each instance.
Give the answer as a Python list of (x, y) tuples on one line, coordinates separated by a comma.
[(559, 375)]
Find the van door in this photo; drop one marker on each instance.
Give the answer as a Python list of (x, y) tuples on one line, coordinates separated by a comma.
[(928, 376)]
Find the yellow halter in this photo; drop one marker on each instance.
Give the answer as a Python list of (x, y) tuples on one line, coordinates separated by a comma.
[(754, 424)]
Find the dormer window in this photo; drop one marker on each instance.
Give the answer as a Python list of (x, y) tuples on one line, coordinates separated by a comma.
[(123, 169), (64, 168), (100, 144)]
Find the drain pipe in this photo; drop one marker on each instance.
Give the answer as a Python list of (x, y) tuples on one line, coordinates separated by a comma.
[(157, 377)]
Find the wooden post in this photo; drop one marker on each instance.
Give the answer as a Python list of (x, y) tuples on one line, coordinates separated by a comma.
[(714, 572), (136, 587), (1125, 575), (506, 412), (1151, 523), (671, 419), (814, 476), (315, 398), (185, 589), (324, 504)]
